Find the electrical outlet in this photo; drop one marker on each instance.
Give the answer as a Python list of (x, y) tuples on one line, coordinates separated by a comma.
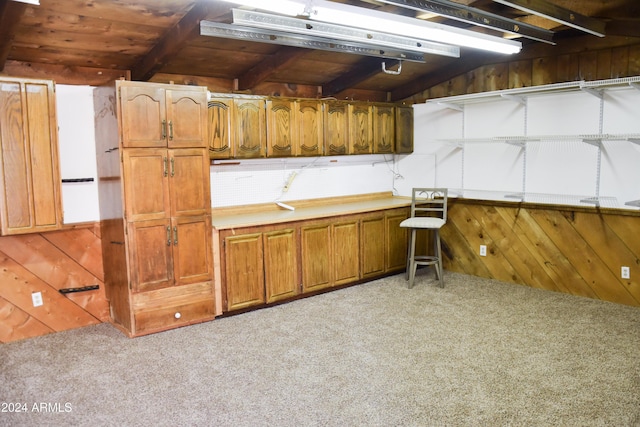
[(625, 273), (483, 250), (36, 298)]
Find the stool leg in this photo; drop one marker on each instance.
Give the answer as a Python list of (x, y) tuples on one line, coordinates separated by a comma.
[(408, 268), (439, 255), (412, 261)]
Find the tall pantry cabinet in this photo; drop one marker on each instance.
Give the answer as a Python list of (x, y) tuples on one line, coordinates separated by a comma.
[(155, 202)]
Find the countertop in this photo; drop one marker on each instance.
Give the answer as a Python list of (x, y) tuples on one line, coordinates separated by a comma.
[(226, 220)]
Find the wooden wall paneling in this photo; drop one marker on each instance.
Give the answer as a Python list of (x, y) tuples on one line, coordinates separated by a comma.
[(588, 62), (584, 259), (619, 62), (475, 227), (634, 61), (515, 247), (457, 250), (544, 71), (603, 64), (520, 74), (58, 312), (627, 229), (565, 276), (52, 266), (15, 324), (82, 245), (568, 68)]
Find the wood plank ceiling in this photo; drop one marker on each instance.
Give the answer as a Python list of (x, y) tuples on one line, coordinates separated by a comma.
[(94, 41)]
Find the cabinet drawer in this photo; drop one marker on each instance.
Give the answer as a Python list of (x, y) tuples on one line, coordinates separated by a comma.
[(171, 307), (173, 316)]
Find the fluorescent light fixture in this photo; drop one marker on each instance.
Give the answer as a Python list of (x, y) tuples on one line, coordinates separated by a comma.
[(337, 32), (33, 2), (373, 20), (232, 31), (342, 14)]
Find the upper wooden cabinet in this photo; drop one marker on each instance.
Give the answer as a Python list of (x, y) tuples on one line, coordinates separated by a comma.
[(384, 131), (250, 137), (281, 128), (220, 113), (336, 128), (29, 169), (253, 127), (360, 128), (404, 130), (163, 115), (309, 129)]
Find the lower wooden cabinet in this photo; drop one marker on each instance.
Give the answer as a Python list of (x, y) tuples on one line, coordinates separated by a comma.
[(260, 266), (396, 240), (280, 264), (266, 264)]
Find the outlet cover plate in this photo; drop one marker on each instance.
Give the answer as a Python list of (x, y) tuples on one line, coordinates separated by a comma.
[(483, 250), (625, 273)]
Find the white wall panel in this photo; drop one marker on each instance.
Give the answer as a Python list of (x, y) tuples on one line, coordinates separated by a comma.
[(76, 139)]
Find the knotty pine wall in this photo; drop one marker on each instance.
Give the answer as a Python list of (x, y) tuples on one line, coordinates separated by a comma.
[(48, 262), (558, 248)]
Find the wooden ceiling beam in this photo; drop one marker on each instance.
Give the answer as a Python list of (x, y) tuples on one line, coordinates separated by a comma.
[(365, 69), (271, 65), (174, 39), (558, 14), (10, 14)]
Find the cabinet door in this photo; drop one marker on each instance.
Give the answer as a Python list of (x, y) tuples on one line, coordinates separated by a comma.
[(281, 130), (397, 240), (29, 174), (186, 117), (244, 273), (280, 264), (309, 128), (143, 116), (189, 182), (336, 128), (360, 131), (250, 137), (150, 254), (146, 189), (316, 257), (220, 114), (192, 253), (346, 252), (383, 128), (372, 245), (404, 130)]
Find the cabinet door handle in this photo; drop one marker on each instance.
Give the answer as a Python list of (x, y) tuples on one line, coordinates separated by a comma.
[(164, 129), (168, 236), (173, 167), (165, 170), (170, 130), (175, 236)]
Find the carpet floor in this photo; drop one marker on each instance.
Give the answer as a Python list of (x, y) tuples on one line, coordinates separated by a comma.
[(476, 353)]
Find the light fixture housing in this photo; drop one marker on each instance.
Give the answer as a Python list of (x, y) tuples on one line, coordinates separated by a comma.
[(373, 20), (230, 31), (342, 14), (340, 33)]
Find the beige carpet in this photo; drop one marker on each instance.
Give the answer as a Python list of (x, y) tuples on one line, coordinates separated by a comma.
[(476, 353)]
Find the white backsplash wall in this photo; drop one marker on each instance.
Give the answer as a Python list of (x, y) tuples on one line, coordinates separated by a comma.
[(264, 180), (77, 149)]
